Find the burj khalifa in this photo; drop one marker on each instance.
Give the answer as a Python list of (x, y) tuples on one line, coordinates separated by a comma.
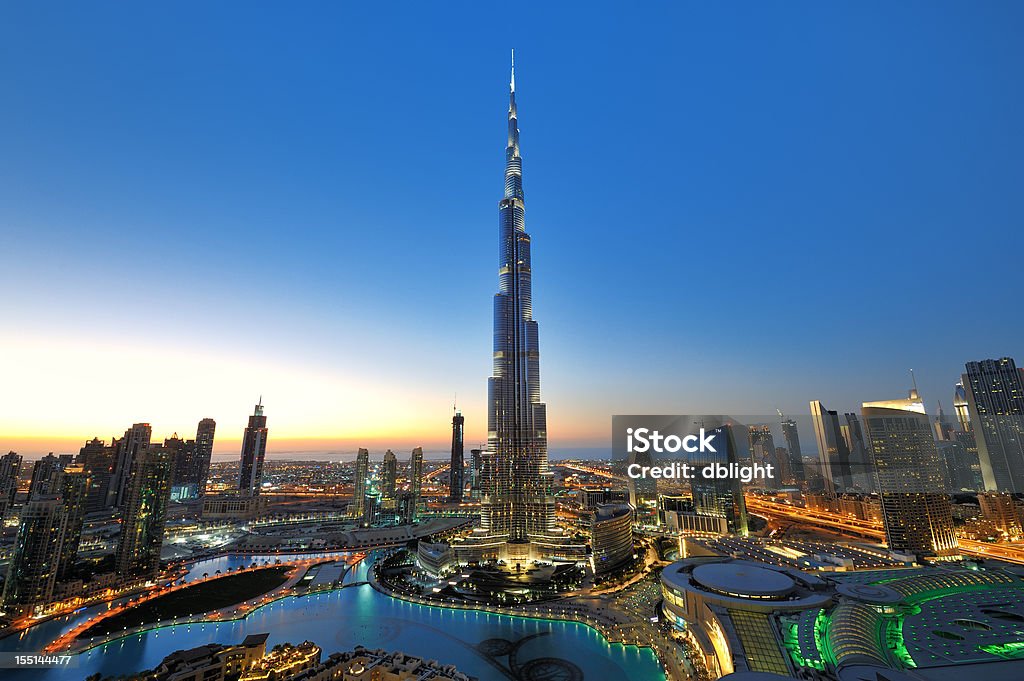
[(517, 504)]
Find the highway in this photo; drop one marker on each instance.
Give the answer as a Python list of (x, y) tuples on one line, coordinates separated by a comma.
[(871, 530)]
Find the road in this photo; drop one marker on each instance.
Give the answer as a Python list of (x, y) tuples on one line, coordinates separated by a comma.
[(870, 529)]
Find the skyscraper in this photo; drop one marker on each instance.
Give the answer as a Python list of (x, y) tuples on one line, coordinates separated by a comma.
[(720, 497), (33, 567), (415, 481), (861, 473), (517, 502), (915, 508), (963, 415), (476, 466), (995, 402), (184, 485), (204, 452), (98, 459), (145, 512), (762, 450), (46, 474), (389, 476), (833, 455), (74, 494), (136, 437), (796, 458), (359, 483), (10, 469), (456, 475), (254, 450)]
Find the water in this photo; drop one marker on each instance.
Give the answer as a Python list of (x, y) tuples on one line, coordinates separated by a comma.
[(359, 615)]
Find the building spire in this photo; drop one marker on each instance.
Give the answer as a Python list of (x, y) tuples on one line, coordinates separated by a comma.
[(512, 83)]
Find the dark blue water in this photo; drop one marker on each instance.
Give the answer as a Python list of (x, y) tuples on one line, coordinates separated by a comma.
[(359, 615)]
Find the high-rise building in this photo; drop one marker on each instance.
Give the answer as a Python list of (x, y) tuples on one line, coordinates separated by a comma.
[(34, 562), (963, 415), (362, 475), (135, 438), (995, 402), (389, 476), (476, 465), (720, 497), (944, 428), (796, 457), (74, 494), (415, 482), (611, 537), (861, 473), (915, 508), (46, 474), (204, 452), (98, 459), (517, 503), (10, 469), (833, 455), (184, 486), (254, 450), (145, 512), (643, 489), (762, 451), (456, 475)]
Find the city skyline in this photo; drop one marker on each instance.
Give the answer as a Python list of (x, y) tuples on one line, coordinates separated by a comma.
[(342, 341)]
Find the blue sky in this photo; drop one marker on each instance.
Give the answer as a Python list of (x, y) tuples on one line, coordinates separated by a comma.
[(734, 209)]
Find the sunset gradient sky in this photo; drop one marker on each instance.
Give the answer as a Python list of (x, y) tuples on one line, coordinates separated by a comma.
[(733, 210)]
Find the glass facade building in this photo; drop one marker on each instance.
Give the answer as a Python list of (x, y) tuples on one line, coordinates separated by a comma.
[(254, 450), (517, 503), (915, 508)]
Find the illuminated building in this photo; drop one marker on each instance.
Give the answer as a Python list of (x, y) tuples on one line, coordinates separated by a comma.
[(833, 455), (720, 497), (762, 450), (184, 486), (135, 438), (644, 489), (35, 560), (74, 488), (437, 560), (678, 514), (796, 458), (46, 475), (144, 512), (254, 450), (920, 624), (915, 508), (10, 468), (995, 402), (476, 467), (204, 452), (211, 662), (1000, 509), (284, 661), (517, 504), (611, 537), (416, 480), (389, 476), (98, 459), (861, 473), (251, 661), (456, 478), (963, 414), (362, 474)]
